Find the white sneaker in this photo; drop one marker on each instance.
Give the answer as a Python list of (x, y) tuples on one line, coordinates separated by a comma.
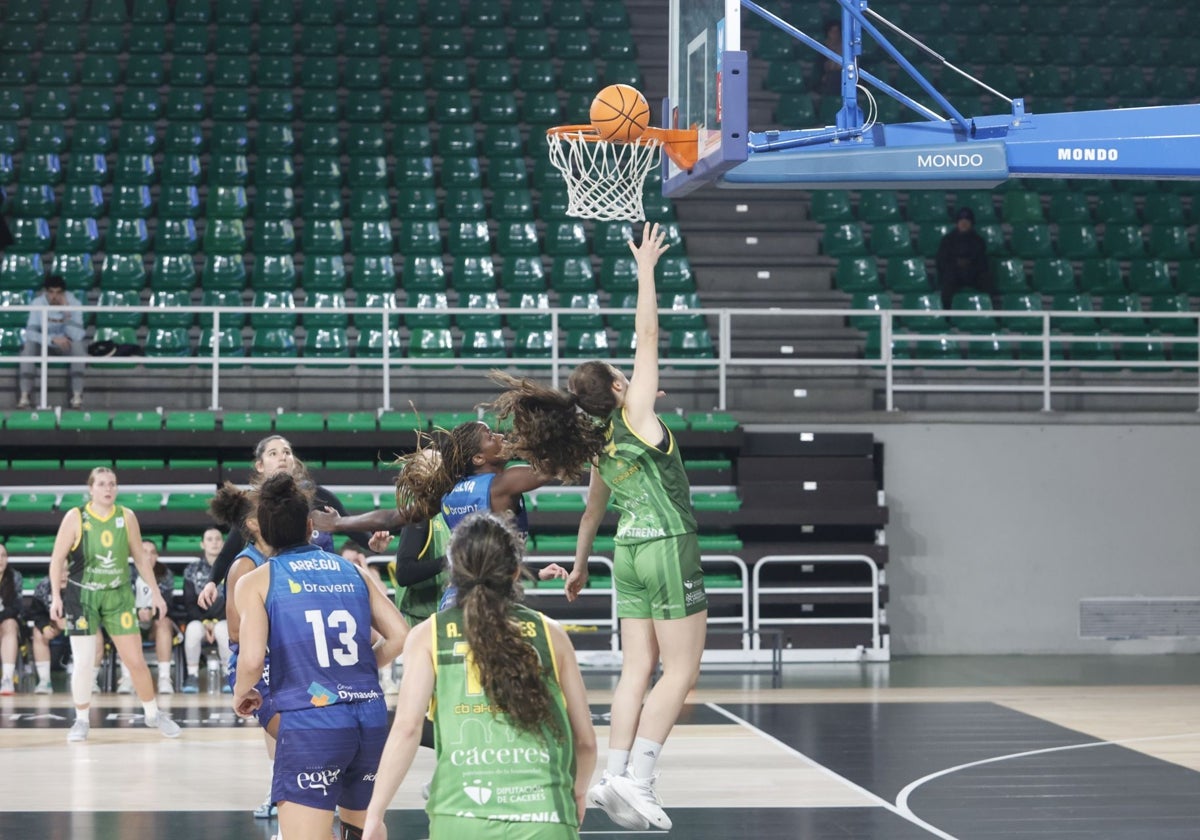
[(168, 727), (164, 684), (6, 686), (642, 797), (604, 796), (125, 685), (79, 730), (77, 401), (44, 687), (24, 401)]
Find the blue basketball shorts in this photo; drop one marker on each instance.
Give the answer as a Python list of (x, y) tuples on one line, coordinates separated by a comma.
[(327, 757)]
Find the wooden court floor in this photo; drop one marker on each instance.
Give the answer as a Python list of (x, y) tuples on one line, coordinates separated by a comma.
[(947, 747)]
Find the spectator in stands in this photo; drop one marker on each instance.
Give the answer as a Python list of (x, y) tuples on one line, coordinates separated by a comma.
[(12, 606), (161, 628), (274, 454), (826, 73), (45, 630), (205, 625), (609, 420), (315, 612), (535, 703), (962, 259), (97, 540), (64, 337)]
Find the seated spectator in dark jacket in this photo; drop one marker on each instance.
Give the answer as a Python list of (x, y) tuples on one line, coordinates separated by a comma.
[(204, 626), (962, 260)]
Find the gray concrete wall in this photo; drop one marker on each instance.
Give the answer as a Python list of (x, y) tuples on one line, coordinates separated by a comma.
[(998, 529)]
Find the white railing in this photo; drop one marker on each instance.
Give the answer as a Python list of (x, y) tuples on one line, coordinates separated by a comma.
[(724, 362)]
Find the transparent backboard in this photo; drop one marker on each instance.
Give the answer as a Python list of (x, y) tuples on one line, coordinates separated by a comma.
[(707, 88)]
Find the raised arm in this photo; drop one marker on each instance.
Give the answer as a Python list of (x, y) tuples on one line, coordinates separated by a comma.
[(339, 522), (643, 385)]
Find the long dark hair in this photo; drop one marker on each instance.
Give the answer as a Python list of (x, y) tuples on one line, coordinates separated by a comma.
[(283, 508), (299, 468), (232, 507), (8, 583), (487, 552), (557, 432), (440, 461)]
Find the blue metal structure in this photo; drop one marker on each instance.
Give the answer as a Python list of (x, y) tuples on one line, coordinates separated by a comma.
[(1149, 143)]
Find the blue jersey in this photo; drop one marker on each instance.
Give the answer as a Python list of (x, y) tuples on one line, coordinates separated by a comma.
[(319, 609), (256, 557), (473, 494)]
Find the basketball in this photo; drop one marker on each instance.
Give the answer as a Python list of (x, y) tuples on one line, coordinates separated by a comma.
[(620, 113)]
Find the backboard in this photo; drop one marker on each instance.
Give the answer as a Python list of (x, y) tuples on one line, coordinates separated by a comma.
[(706, 89)]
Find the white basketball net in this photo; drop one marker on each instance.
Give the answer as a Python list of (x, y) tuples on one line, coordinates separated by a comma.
[(604, 180)]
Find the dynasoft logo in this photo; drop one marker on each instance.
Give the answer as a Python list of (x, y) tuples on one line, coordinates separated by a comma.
[(294, 587), (479, 793), (321, 696)]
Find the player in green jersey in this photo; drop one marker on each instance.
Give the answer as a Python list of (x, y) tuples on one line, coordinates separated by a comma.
[(516, 747), (98, 539), (609, 420)]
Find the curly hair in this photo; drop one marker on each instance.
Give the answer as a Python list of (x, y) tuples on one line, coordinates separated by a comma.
[(233, 508), (487, 552), (555, 431), (431, 471)]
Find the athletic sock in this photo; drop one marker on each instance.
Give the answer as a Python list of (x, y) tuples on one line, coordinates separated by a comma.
[(150, 709), (6, 671), (83, 714), (43, 671), (617, 761), (644, 758)]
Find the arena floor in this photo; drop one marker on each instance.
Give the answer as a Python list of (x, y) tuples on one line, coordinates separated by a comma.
[(945, 747)]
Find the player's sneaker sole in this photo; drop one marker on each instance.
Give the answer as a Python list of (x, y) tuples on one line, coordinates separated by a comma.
[(618, 810)]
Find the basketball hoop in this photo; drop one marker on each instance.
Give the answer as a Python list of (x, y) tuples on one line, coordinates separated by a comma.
[(604, 177)]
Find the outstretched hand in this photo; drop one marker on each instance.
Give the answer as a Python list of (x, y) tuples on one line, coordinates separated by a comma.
[(652, 245), (551, 572), (324, 519)]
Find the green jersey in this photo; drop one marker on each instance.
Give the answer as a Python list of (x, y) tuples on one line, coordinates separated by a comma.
[(649, 485), (421, 600), (100, 558), (487, 768)]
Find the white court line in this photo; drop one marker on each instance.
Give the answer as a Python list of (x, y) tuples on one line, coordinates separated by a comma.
[(882, 803), (902, 798)]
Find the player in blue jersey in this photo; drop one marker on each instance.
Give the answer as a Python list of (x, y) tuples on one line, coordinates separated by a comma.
[(462, 471), (315, 611), (233, 509)]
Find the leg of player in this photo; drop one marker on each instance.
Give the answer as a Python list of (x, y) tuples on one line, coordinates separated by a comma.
[(41, 657), (129, 648), (83, 671), (681, 642)]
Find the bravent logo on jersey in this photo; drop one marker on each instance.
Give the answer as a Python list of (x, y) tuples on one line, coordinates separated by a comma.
[(321, 696), (1084, 154), (953, 160), (320, 588)]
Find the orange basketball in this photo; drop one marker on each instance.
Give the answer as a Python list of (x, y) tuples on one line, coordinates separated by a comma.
[(620, 113)]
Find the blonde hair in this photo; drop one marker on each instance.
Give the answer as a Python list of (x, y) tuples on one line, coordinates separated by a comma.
[(99, 471)]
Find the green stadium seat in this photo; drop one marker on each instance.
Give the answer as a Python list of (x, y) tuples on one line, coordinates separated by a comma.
[(1163, 208), (178, 236), (273, 342), (431, 342), (417, 203), (1150, 277), (51, 104), (907, 274), (483, 314), (371, 273), (420, 237), (1077, 241), (1123, 241), (1053, 276), (321, 171), (30, 502), (1177, 303), (857, 274), (474, 273), (184, 137), (1032, 240), (483, 343), (168, 341), (327, 343), (1169, 242), (1101, 276), (878, 206), (533, 315), (1022, 207), (463, 204), (972, 302), (422, 272), (224, 271), (690, 344), (843, 239), (1116, 208), (449, 43), (172, 312), (36, 200), (523, 273)]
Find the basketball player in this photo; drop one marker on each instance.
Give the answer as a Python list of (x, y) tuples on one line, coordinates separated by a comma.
[(460, 472), (315, 611), (233, 508), (498, 673), (97, 540), (273, 454), (610, 420)]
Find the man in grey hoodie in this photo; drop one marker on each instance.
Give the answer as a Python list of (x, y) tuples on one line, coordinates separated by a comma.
[(64, 337)]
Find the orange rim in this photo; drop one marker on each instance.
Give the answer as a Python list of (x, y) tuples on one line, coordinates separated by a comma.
[(680, 144)]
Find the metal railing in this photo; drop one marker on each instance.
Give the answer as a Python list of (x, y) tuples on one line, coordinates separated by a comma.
[(890, 326)]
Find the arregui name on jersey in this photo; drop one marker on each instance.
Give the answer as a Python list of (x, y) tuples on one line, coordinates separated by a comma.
[(314, 564)]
